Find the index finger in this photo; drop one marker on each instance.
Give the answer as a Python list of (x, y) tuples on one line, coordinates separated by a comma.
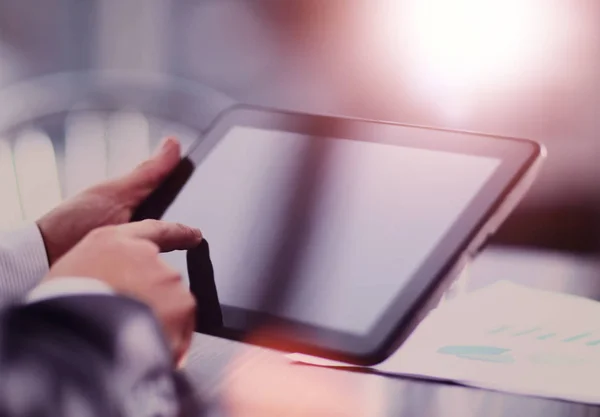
[(168, 236)]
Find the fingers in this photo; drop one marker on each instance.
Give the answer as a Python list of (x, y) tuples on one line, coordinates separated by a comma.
[(168, 236), (147, 176)]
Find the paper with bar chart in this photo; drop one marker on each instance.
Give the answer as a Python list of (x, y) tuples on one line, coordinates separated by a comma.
[(510, 338)]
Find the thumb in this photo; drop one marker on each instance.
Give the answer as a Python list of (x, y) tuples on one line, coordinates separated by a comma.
[(148, 175)]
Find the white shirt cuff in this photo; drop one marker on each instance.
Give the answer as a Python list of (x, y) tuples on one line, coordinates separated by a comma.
[(68, 286), (23, 262)]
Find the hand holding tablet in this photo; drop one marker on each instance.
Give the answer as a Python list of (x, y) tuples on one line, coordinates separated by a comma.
[(341, 233)]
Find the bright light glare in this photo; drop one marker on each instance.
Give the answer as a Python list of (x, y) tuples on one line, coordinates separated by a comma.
[(462, 39), (459, 47)]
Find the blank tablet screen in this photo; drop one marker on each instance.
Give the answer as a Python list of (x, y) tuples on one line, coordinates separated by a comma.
[(350, 221)]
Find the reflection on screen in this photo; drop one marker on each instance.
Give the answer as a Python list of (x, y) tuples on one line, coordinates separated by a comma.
[(350, 221)]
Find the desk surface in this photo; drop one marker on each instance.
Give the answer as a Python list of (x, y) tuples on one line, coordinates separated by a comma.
[(250, 381)]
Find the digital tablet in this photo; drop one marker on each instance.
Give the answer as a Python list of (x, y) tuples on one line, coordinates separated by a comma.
[(340, 234)]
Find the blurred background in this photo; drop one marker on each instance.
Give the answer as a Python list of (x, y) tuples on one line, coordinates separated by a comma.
[(87, 88)]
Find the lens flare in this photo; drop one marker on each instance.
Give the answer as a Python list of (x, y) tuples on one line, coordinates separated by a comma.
[(454, 52)]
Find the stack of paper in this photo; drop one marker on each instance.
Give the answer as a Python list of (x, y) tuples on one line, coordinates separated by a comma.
[(510, 338)]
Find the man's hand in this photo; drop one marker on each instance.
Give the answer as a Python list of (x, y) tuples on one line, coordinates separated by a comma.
[(109, 203), (126, 258)]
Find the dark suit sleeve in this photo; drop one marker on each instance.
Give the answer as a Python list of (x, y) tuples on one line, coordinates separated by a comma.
[(89, 355)]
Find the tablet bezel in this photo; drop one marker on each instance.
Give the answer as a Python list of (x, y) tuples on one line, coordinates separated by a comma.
[(517, 157)]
